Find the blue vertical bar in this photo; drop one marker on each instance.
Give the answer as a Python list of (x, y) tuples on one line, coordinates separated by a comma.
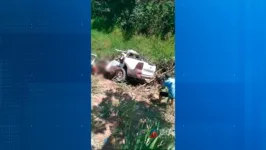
[(46, 94), (255, 75), (210, 103)]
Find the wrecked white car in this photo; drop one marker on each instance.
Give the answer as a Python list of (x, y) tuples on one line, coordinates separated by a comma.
[(130, 65)]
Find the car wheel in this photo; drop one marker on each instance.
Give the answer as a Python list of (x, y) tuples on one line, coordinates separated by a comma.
[(120, 75)]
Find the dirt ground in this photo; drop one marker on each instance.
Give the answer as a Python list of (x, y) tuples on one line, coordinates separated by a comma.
[(140, 93)]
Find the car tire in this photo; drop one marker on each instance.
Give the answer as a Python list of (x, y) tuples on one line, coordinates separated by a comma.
[(120, 75)]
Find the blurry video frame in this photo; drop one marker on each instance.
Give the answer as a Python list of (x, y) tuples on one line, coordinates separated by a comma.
[(133, 78)]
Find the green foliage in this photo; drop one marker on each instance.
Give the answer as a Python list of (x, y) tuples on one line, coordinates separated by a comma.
[(146, 26), (141, 140), (148, 17), (137, 125), (159, 52)]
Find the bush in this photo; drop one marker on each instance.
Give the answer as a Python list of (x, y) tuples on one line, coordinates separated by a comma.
[(148, 17), (138, 121), (156, 51)]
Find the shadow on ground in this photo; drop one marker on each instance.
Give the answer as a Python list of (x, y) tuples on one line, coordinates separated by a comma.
[(125, 110), (129, 81)]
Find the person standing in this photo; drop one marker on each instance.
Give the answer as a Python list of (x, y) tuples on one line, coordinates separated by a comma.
[(169, 83)]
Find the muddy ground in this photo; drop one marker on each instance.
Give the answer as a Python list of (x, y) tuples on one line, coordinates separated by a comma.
[(101, 89)]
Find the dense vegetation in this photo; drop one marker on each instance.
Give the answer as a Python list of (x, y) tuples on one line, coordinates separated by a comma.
[(147, 17), (155, 50), (143, 25)]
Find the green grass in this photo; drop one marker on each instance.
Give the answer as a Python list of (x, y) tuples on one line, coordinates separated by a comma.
[(151, 48)]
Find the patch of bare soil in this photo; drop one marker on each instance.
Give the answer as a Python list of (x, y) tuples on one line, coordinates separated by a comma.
[(140, 93)]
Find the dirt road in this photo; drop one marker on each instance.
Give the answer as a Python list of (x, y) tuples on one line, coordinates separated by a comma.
[(101, 89)]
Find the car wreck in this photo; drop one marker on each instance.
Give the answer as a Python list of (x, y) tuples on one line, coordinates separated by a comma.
[(129, 64)]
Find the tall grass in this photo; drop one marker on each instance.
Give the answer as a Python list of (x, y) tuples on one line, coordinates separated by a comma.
[(152, 48)]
